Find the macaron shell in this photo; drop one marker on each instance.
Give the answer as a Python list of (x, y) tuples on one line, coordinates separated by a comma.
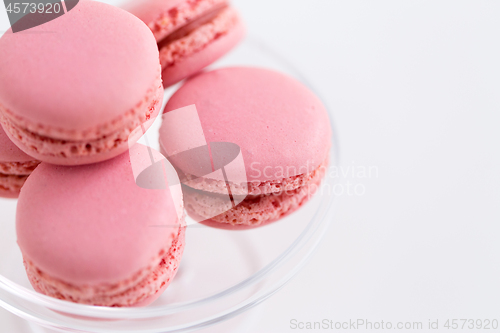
[(117, 147), (81, 70), (282, 128), (18, 168), (149, 11), (173, 263), (10, 185), (9, 152), (251, 188), (235, 227), (166, 16), (93, 224), (197, 60), (204, 42), (253, 211), (15, 165), (76, 160), (7, 194), (153, 284)]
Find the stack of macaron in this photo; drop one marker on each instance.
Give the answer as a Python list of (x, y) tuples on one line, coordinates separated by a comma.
[(100, 218), (281, 129), (191, 34), (73, 96)]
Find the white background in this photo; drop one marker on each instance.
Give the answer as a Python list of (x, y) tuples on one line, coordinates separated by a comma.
[(414, 87), (415, 90)]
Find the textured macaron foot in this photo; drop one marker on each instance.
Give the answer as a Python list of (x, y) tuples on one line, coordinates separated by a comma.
[(190, 34), (15, 167), (252, 187), (10, 185), (107, 234), (254, 210), (13, 175), (142, 288), (95, 79), (66, 147)]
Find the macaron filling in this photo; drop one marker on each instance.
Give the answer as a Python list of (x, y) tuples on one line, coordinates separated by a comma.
[(58, 142), (197, 33), (139, 288), (191, 26), (252, 187), (255, 209)]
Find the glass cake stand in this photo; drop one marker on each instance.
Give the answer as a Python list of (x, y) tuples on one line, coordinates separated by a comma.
[(222, 273)]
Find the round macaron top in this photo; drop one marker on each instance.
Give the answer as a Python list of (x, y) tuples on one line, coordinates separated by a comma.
[(9, 151), (282, 128), (92, 224), (81, 70)]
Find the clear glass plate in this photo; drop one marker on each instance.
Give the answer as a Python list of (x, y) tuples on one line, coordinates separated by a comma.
[(222, 273)]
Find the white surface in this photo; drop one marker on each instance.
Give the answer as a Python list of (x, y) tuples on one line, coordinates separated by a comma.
[(414, 86)]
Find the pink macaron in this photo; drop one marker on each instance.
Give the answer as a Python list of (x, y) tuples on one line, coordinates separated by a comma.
[(73, 89), (106, 234), (15, 167), (191, 34), (278, 127)]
